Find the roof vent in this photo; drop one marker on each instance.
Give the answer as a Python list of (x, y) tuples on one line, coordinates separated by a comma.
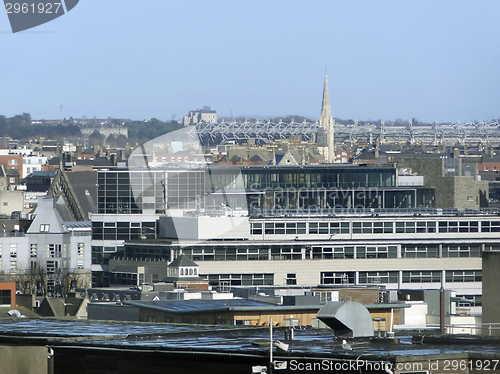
[(347, 319)]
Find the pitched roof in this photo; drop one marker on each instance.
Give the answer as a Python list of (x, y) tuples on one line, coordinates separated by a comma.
[(46, 214), (182, 261)]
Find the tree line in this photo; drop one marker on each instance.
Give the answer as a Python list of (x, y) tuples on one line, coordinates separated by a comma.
[(21, 127)]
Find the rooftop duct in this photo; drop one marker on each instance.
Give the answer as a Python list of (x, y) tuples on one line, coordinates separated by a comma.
[(347, 319)]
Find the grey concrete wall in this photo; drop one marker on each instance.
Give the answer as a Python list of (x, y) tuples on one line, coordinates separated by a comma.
[(151, 268), (23, 360), (469, 193), (451, 192), (491, 296), (112, 312)]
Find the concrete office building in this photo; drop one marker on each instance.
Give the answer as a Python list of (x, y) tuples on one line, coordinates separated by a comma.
[(50, 243), (296, 225)]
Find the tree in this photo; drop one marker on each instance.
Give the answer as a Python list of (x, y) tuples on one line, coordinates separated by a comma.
[(111, 141), (34, 280), (96, 138), (121, 141), (56, 282)]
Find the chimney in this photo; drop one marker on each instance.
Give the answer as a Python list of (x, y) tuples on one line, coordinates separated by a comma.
[(456, 152), (480, 147)]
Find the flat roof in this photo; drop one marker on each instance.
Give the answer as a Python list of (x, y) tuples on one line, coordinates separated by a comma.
[(207, 306), (176, 338)]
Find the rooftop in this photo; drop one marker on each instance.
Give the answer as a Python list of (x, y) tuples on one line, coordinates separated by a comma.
[(308, 343)]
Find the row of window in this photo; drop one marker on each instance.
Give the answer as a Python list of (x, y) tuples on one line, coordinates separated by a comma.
[(368, 227), (229, 254), (327, 252), (123, 230), (240, 279), (378, 277)]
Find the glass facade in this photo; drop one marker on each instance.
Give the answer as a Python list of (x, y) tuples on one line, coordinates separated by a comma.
[(271, 187), (275, 177)]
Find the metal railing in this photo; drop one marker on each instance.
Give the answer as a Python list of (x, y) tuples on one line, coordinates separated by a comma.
[(485, 329), (336, 212)]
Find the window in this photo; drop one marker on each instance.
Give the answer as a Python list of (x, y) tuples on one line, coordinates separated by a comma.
[(463, 276), (463, 250), (13, 162), (286, 252), (462, 226), (377, 252), (475, 300), (330, 277), (240, 279), (421, 276), (33, 251), (81, 254), (52, 266), (256, 228), (12, 180), (54, 250), (44, 228), (378, 277), (490, 226), (326, 296), (372, 227), (13, 251), (5, 298), (291, 279), (332, 252), (420, 251)]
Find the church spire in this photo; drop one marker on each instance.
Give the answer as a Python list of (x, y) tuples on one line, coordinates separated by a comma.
[(326, 121), (325, 106)]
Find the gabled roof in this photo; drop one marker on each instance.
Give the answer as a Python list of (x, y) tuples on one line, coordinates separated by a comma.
[(182, 261), (46, 214), (59, 306), (76, 194), (257, 158)]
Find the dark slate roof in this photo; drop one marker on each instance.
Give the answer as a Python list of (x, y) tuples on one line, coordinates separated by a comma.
[(495, 158), (491, 176), (367, 154), (200, 306), (236, 158), (12, 172), (100, 161), (43, 174), (78, 224), (84, 184), (257, 158), (182, 261), (54, 161), (390, 147), (278, 157)]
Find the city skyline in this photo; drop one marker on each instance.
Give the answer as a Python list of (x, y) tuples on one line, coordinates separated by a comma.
[(386, 60)]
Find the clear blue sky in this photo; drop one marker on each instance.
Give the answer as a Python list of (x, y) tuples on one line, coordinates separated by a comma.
[(429, 60)]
